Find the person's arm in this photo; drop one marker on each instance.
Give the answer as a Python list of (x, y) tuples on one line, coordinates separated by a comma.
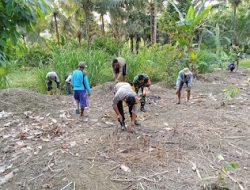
[(115, 102), (68, 79), (178, 82), (190, 80), (87, 85)]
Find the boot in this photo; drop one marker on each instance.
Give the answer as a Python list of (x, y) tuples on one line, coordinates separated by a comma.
[(82, 110), (137, 123), (143, 109), (77, 111), (58, 92), (122, 125), (49, 92)]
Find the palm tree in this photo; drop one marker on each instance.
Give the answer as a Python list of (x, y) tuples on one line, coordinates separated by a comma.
[(235, 4)]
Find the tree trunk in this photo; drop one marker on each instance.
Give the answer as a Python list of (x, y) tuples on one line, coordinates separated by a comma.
[(86, 5), (235, 41), (79, 36), (102, 27), (131, 37), (137, 45), (56, 26), (153, 22)]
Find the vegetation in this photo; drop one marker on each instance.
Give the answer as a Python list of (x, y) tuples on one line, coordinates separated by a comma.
[(158, 37)]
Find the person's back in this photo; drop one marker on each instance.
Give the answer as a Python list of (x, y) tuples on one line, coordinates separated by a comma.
[(231, 67), (52, 76), (77, 80)]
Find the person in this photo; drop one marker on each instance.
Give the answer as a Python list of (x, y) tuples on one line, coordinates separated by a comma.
[(80, 84), (231, 67), (124, 92), (185, 76), (119, 68), (50, 77), (68, 83), (141, 83)]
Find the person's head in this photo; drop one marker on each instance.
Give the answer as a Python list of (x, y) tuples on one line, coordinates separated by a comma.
[(132, 100), (186, 71), (82, 65), (140, 78), (116, 66)]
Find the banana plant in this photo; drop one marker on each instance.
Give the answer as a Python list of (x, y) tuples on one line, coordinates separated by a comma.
[(188, 25)]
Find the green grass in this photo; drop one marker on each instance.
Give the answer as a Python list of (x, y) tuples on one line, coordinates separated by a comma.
[(22, 79), (245, 63)]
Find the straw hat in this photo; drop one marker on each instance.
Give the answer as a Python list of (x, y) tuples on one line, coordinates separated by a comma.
[(186, 71)]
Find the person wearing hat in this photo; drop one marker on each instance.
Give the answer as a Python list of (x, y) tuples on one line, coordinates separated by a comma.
[(50, 77), (119, 68), (68, 83), (231, 67), (185, 76), (80, 84), (141, 82), (124, 92)]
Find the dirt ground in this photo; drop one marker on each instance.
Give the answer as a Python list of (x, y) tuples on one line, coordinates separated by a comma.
[(45, 145)]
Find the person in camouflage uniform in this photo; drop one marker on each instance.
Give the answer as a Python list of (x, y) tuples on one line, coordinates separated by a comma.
[(140, 83)]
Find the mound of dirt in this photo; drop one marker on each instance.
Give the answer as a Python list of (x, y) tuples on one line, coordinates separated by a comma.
[(45, 145)]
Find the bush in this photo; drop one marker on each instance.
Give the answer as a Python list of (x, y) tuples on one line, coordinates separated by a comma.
[(106, 44), (36, 57), (159, 62), (65, 61)]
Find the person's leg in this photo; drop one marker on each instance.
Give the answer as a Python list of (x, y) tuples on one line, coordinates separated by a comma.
[(124, 72), (143, 100), (77, 99), (121, 111), (83, 101), (49, 87), (179, 93), (188, 92), (68, 88)]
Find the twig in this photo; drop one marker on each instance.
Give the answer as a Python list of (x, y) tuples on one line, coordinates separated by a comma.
[(239, 148), (234, 137), (234, 180), (55, 175), (122, 180), (35, 177), (142, 186), (114, 167), (161, 173), (67, 186)]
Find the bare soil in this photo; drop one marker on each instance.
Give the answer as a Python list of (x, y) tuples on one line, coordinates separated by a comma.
[(45, 145)]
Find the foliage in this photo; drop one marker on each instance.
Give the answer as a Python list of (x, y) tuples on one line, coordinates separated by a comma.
[(106, 44), (18, 14), (65, 60), (159, 62), (231, 91), (35, 57)]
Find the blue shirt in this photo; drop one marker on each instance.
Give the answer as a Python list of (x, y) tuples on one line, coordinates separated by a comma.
[(181, 78), (79, 80)]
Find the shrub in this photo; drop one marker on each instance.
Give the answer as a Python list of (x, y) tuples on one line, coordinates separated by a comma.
[(106, 44)]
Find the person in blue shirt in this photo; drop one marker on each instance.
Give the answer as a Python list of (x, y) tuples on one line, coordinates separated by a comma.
[(81, 87), (231, 67), (185, 76)]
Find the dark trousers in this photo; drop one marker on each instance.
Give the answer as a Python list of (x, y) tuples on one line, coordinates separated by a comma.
[(143, 98), (49, 84), (121, 111), (68, 88)]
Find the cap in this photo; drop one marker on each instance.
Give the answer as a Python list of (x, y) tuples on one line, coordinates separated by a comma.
[(186, 71), (82, 64)]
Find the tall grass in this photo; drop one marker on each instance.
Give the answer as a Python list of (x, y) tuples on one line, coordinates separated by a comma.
[(66, 60), (159, 62)]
